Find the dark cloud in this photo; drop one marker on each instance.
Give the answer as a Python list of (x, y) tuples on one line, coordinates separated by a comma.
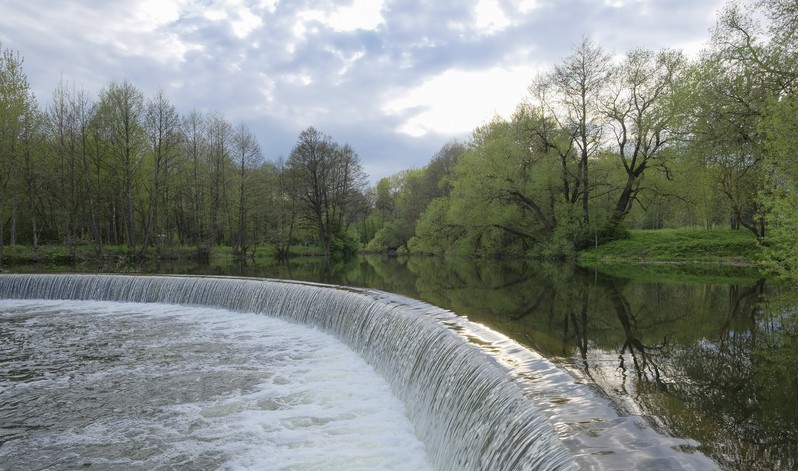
[(284, 66)]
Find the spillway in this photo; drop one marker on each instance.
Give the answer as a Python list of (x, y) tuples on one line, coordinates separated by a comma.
[(475, 399)]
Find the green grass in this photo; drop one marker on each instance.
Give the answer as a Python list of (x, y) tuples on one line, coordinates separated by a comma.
[(679, 255), (678, 245)]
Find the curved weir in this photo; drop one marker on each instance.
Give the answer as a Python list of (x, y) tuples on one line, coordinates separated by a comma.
[(476, 399)]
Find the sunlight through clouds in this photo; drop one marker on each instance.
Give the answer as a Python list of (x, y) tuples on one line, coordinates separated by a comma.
[(361, 14), (456, 101), (242, 20), (490, 17), (154, 13)]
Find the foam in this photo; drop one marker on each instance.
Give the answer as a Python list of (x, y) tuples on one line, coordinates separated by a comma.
[(154, 385)]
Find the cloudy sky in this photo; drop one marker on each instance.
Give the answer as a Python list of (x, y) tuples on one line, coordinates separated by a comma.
[(396, 79)]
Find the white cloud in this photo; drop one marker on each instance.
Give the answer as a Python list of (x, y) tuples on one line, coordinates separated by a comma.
[(361, 14), (242, 20), (143, 30), (525, 6), (245, 22), (457, 101), (490, 17), (152, 14)]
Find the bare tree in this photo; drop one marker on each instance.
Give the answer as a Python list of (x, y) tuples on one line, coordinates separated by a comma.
[(568, 99), (120, 116), (246, 156), (162, 124), (218, 132), (194, 194)]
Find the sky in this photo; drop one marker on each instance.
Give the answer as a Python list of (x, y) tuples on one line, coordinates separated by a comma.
[(395, 79)]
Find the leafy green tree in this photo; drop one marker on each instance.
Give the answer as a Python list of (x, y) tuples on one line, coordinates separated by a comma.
[(726, 108), (327, 178), (435, 232), (17, 110), (781, 128), (749, 65), (505, 191), (403, 198), (639, 111)]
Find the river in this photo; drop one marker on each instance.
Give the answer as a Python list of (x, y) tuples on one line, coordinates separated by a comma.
[(704, 353)]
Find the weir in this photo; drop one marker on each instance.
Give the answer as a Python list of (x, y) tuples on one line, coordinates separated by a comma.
[(475, 398)]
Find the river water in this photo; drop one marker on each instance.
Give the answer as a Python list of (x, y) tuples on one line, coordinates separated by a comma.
[(707, 355)]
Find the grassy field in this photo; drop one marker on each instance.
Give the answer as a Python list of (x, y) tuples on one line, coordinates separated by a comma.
[(678, 246)]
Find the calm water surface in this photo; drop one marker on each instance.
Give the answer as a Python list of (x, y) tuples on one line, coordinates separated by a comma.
[(708, 354)]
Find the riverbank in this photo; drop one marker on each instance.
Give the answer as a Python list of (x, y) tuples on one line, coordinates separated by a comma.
[(62, 255), (685, 255), (642, 247), (718, 246)]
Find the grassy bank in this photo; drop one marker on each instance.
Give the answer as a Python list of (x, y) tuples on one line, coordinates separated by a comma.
[(720, 246), (15, 255), (724, 256)]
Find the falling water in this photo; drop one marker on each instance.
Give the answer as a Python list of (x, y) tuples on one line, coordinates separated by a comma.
[(475, 399)]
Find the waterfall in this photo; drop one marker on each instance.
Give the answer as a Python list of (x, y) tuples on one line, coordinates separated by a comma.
[(460, 382)]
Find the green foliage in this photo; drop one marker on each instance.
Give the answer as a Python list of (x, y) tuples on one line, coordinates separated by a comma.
[(344, 245), (781, 129), (403, 198), (434, 233)]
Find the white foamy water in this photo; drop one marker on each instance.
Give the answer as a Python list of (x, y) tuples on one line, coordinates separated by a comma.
[(108, 385)]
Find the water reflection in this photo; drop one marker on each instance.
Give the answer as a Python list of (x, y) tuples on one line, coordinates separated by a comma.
[(704, 353)]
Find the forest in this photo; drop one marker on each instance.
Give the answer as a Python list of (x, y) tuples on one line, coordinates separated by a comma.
[(601, 144)]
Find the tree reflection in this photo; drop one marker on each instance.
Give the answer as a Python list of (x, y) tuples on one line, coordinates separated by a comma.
[(694, 357), (644, 357)]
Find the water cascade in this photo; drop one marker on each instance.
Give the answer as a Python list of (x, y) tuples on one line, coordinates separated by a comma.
[(476, 399)]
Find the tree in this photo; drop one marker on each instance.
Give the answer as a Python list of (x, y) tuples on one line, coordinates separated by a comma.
[(439, 172), (327, 177), (74, 193), (401, 199), (16, 106), (285, 203), (32, 138), (120, 120), (567, 99), (162, 125), (504, 191), (771, 51), (219, 134), (749, 67), (639, 111), (195, 181), (246, 156), (64, 142)]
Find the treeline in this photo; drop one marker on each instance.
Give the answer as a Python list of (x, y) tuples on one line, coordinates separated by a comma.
[(122, 169), (602, 144)]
